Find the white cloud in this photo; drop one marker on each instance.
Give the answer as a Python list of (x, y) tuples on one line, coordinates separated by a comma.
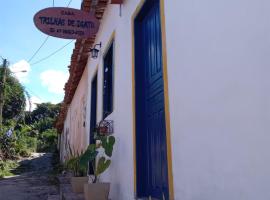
[(17, 69), (54, 80), (34, 101)]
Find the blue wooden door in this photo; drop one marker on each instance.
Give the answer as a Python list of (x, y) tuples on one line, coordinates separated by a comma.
[(93, 116), (152, 169)]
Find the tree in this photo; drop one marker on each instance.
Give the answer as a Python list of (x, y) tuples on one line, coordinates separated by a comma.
[(43, 117), (45, 110), (14, 98)]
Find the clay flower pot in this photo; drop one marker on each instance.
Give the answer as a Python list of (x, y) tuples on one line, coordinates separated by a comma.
[(77, 183), (96, 191)]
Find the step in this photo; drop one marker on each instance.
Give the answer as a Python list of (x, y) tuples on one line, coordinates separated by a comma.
[(54, 197), (67, 194), (73, 196), (64, 179)]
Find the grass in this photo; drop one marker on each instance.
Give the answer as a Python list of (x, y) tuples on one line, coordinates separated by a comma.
[(6, 167)]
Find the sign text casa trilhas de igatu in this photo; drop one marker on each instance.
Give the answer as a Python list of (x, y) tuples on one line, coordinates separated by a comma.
[(67, 23)]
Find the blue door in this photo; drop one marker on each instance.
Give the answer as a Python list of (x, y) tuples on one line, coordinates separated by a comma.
[(152, 169), (93, 116)]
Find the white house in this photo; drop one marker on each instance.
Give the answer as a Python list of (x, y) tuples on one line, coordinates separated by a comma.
[(187, 86)]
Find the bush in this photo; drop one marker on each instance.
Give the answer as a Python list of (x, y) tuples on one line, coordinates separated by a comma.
[(6, 167), (19, 143), (47, 141), (25, 145), (7, 145), (44, 124)]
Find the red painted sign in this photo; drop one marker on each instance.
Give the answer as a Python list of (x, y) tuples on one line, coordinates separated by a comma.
[(68, 23)]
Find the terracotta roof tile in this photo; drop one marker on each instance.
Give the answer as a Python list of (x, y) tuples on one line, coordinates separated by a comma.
[(78, 62)]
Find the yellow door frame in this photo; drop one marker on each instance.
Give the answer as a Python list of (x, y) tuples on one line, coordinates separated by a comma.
[(166, 95)]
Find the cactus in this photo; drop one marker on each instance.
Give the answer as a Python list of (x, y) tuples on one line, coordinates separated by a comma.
[(89, 155), (107, 144), (102, 165)]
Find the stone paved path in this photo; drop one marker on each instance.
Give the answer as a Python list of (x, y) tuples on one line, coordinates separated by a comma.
[(35, 184)]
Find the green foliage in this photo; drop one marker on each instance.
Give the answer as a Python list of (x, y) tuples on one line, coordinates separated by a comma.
[(88, 156), (47, 141), (107, 144), (25, 144), (73, 164), (40, 123), (91, 155), (7, 145), (43, 124), (78, 163), (20, 143), (32, 130), (45, 111), (102, 165), (6, 167), (15, 100), (42, 120)]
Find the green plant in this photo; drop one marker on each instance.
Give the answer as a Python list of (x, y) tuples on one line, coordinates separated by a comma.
[(47, 141), (7, 146), (6, 167), (99, 163), (24, 143), (73, 163), (14, 98)]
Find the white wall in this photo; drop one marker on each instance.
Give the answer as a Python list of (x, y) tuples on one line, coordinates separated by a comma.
[(121, 172), (74, 130), (219, 67), (218, 71)]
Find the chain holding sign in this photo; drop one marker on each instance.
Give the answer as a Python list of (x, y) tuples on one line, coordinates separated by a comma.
[(67, 23)]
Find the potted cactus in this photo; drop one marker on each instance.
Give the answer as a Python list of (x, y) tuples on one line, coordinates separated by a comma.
[(99, 155)]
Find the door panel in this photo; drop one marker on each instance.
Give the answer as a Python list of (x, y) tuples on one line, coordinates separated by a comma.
[(93, 116), (152, 169)]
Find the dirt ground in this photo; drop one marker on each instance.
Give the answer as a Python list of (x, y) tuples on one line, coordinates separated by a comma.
[(35, 183)]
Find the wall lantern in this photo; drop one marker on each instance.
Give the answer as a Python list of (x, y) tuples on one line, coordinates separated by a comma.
[(94, 51)]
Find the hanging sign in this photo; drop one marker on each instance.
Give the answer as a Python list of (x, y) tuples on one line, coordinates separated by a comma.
[(67, 23)]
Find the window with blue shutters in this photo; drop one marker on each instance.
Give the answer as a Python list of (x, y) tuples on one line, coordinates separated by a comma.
[(108, 82)]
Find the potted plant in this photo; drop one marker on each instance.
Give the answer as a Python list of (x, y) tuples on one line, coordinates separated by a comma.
[(79, 172), (98, 155)]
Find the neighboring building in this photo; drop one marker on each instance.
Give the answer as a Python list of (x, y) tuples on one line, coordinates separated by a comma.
[(186, 84)]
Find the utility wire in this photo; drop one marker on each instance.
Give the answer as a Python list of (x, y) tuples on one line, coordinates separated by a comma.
[(46, 39), (69, 3), (45, 58)]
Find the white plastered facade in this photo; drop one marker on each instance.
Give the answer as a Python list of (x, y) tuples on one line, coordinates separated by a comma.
[(219, 101)]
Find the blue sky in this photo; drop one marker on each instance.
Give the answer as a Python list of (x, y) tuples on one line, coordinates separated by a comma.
[(19, 39)]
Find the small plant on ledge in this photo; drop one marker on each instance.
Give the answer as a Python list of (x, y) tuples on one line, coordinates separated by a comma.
[(100, 163), (99, 156), (79, 172)]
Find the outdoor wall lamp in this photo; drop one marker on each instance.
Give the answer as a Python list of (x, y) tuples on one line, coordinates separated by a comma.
[(94, 51)]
